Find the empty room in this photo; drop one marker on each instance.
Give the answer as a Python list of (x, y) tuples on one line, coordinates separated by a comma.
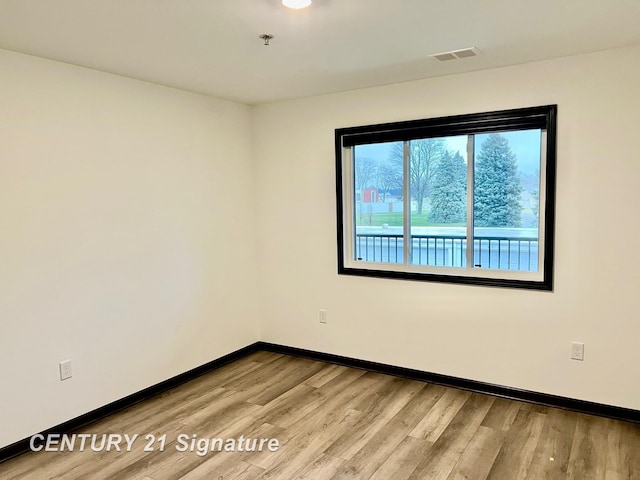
[(319, 239)]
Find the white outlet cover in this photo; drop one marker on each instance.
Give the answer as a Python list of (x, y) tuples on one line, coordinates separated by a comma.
[(577, 351), (65, 370)]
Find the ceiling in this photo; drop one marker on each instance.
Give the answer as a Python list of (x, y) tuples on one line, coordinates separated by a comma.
[(212, 46)]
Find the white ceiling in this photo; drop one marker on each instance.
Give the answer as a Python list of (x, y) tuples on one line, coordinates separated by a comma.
[(212, 46)]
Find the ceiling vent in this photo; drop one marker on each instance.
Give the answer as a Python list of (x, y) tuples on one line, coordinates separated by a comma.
[(456, 54)]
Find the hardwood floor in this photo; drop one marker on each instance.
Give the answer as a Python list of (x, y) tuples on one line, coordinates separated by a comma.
[(335, 422)]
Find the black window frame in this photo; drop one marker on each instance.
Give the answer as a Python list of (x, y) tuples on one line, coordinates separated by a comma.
[(543, 117)]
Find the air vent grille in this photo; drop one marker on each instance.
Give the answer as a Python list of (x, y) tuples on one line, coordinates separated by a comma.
[(456, 54)]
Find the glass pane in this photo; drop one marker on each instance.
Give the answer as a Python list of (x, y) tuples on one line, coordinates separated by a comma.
[(378, 180), (438, 186), (506, 209)]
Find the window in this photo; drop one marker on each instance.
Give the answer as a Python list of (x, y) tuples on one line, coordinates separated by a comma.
[(463, 199)]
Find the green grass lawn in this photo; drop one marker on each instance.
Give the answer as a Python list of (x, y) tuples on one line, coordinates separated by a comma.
[(395, 220)]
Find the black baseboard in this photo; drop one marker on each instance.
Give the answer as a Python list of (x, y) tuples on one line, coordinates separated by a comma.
[(74, 424), (581, 406)]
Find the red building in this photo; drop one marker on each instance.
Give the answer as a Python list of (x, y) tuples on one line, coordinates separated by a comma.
[(370, 195)]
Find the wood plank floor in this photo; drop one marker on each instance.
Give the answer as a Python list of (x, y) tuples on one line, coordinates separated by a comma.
[(334, 422)]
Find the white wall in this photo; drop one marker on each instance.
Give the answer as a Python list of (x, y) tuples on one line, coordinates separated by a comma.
[(127, 237), (509, 337)]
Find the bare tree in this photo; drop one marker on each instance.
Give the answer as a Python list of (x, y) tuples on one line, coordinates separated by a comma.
[(366, 169), (424, 156), (389, 177)]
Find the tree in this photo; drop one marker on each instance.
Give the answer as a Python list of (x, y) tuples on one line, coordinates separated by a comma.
[(449, 191), (535, 206), (497, 186), (365, 170), (534, 180), (424, 156), (389, 177)]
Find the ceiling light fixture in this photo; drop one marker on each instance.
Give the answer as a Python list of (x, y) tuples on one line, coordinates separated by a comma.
[(296, 4)]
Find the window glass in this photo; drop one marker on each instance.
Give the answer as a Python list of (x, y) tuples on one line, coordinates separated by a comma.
[(464, 199), (506, 200)]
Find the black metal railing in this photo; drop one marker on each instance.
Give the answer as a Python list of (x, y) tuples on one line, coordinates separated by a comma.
[(503, 253)]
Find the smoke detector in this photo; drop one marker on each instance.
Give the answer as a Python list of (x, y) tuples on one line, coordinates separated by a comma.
[(456, 54)]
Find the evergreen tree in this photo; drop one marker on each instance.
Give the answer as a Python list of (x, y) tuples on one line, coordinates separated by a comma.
[(497, 189), (449, 190)]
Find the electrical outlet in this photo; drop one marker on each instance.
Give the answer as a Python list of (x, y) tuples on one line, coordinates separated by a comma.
[(65, 370), (323, 316), (577, 351)]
